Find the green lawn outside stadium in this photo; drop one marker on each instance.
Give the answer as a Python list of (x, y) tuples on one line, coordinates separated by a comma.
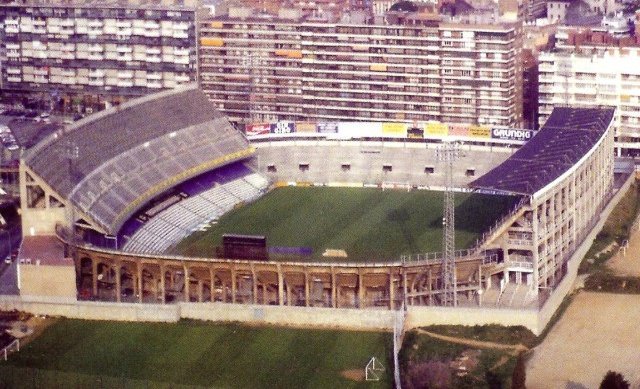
[(369, 224), (76, 352)]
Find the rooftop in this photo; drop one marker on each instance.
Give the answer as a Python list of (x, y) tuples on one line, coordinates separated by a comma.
[(401, 13), (567, 136), (43, 250), (144, 4)]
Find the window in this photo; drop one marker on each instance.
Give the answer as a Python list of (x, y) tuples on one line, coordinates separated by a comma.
[(271, 168), (429, 169), (303, 167), (387, 168), (470, 172), (345, 167)]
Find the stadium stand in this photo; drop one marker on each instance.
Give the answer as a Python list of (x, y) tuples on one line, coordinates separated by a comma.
[(210, 196), (130, 154), (353, 162), (566, 137)]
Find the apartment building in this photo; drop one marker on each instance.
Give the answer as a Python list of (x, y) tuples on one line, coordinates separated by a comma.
[(413, 66), (594, 69), (107, 49)]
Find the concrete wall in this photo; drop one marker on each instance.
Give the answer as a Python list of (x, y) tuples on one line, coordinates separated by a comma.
[(371, 319), (89, 310), (42, 221), (44, 280), (424, 316)]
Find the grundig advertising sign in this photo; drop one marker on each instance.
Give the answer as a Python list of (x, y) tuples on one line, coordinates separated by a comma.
[(511, 134)]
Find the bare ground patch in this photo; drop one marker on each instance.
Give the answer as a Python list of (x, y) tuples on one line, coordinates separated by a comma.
[(597, 333), (353, 374)]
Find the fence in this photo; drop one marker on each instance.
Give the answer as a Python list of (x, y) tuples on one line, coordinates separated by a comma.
[(23, 377)]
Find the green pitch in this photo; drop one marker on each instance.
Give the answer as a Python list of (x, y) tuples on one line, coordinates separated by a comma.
[(369, 224), (81, 353)]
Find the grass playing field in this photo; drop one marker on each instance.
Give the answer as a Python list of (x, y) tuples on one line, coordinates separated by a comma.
[(195, 353), (369, 224)]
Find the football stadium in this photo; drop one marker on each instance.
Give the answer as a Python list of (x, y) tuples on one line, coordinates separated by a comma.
[(160, 208)]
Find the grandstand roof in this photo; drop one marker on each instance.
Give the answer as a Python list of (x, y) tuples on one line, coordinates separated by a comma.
[(566, 137), (129, 154)]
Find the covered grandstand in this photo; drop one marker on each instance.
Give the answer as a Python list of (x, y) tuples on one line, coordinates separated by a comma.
[(565, 175), (111, 164), (568, 136)]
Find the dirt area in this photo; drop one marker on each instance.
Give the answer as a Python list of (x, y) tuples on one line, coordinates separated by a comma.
[(627, 264), (597, 333), (353, 374)]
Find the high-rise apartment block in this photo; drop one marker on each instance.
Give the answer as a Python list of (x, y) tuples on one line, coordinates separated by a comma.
[(411, 66), (111, 49), (595, 69)]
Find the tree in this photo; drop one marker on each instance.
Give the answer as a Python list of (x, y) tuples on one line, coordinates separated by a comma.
[(614, 380), (519, 375)]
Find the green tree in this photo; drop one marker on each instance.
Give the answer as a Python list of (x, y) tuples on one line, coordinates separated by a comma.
[(614, 380)]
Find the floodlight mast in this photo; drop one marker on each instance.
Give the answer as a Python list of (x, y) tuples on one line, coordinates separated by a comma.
[(448, 153)]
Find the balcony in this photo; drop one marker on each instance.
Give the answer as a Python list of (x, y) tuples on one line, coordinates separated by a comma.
[(182, 78), (151, 33), (95, 24), (96, 73), (177, 51), (151, 25), (180, 26)]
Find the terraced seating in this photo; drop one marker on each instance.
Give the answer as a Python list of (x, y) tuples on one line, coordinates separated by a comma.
[(128, 155), (171, 225)]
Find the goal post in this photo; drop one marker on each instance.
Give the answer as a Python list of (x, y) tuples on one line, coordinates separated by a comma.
[(374, 369)]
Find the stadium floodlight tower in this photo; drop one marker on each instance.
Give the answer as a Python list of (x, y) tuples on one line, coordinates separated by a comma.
[(448, 153)]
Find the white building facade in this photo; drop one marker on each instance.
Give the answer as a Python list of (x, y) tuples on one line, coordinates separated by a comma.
[(102, 48), (595, 77)]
